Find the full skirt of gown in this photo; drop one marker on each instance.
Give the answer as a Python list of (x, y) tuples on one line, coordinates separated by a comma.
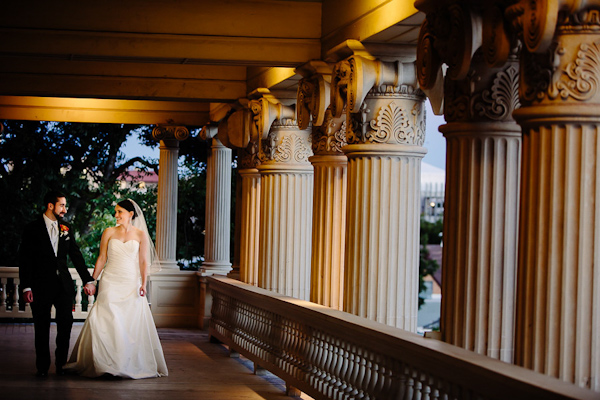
[(119, 336)]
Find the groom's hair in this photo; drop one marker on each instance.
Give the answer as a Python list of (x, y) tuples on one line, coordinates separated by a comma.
[(52, 197)]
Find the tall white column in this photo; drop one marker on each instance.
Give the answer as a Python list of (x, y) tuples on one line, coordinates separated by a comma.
[(218, 210), (286, 210), (480, 236), (249, 218), (483, 166), (329, 213), (166, 209), (385, 134), (558, 290)]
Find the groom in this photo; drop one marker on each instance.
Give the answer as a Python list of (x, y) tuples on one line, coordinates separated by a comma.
[(46, 280)]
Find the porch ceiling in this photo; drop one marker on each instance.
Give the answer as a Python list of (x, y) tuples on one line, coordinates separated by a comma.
[(189, 51)]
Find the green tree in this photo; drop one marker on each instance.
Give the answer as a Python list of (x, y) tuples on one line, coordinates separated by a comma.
[(430, 234), (84, 161)]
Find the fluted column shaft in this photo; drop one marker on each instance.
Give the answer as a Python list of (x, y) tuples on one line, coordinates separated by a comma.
[(286, 211), (249, 225), (329, 227), (218, 210), (166, 208), (382, 241), (480, 236), (481, 209), (558, 291)]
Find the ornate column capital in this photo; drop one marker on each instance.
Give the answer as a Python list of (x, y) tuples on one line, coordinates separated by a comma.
[(354, 77), (209, 131), (266, 111), (239, 129), (388, 115), (485, 95), (538, 19), (286, 144), (567, 71), (330, 137), (248, 157), (452, 33), (313, 93), (167, 132)]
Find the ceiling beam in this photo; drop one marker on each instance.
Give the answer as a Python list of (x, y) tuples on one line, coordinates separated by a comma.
[(360, 20), (103, 111), (164, 48)]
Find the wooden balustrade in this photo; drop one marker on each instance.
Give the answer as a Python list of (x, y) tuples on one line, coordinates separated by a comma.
[(10, 306), (329, 354)]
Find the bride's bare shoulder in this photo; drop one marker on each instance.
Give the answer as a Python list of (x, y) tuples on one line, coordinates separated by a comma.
[(110, 231), (139, 233)]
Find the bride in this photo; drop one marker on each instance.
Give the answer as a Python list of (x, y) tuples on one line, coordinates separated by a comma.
[(119, 337)]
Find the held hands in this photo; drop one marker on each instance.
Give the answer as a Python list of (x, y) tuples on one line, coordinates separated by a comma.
[(143, 290), (89, 289)]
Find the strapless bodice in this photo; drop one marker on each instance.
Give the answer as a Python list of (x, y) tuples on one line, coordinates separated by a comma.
[(123, 260)]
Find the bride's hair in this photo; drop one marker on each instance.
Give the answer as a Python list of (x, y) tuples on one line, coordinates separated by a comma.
[(128, 205)]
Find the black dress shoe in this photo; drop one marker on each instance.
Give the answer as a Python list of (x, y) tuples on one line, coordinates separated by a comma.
[(60, 371), (42, 374)]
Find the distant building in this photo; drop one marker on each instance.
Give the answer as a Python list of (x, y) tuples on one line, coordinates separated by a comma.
[(140, 180), (433, 181)]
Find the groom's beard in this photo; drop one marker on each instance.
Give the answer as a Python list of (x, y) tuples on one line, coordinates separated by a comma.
[(58, 217)]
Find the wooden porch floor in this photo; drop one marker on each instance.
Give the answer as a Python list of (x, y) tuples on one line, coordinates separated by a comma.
[(198, 369)]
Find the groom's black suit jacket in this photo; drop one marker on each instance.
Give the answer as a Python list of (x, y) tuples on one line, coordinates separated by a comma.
[(39, 266)]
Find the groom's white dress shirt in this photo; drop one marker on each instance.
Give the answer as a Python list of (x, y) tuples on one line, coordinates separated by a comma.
[(52, 227)]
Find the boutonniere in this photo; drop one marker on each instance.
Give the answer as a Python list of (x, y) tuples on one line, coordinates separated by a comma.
[(64, 230)]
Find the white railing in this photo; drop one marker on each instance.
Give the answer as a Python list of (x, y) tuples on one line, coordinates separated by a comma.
[(10, 296), (329, 354)]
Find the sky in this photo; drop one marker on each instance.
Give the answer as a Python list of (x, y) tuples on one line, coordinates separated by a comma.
[(434, 142)]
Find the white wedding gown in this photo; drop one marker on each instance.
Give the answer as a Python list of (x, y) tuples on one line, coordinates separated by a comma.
[(119, 336)]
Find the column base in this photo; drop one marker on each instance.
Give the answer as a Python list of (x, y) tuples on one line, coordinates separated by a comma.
[(169, 265), (215, 268)]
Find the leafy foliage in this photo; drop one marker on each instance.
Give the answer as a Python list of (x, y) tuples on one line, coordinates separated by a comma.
[(430, 234), (191, 213), (83, 161)]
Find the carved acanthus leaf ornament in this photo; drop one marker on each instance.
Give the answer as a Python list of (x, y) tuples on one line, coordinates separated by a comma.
[(566, 70), (395, 122), (330, 137), (249, 156), (285, 144), (498, 102)]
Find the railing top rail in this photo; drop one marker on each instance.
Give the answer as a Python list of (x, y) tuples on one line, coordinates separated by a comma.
[(455, 364)]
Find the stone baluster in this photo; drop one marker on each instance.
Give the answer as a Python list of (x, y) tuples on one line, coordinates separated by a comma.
[(166, 208), (385, 134), (16, 295), (78, 295), (286, 200), (558, 290), (330, 181), (482, 179), (91, 300), (3, 283)]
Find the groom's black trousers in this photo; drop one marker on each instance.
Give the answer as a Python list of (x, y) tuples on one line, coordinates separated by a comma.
[(41, 308)]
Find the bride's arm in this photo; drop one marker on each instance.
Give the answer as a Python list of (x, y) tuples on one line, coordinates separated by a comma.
[(102, 255), (143, 262)]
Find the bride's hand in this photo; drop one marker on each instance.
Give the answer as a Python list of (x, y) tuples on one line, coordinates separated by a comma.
[(143, 290)]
